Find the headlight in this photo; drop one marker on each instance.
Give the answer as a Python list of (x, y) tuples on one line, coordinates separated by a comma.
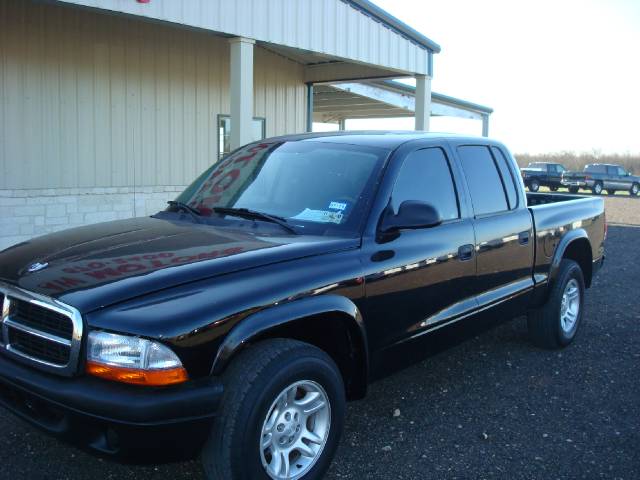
[(131, 359)]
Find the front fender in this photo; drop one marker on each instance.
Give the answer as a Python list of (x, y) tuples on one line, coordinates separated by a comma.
[(257, 324)]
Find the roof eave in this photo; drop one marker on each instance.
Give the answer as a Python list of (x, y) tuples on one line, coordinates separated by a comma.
[(385, 17)]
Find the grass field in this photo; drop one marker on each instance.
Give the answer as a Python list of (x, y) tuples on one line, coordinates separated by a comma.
[(577, 161)]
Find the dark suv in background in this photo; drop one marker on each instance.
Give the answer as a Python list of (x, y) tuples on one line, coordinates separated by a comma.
[(602, 176), (543, 174)]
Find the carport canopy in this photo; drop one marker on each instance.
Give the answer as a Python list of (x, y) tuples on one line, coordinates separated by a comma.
[(337, 102)]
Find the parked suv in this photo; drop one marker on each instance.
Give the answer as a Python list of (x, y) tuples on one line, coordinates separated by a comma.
[(542, 174), (602, 176)]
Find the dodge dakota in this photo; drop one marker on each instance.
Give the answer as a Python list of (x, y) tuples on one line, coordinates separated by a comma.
[(235, 324)]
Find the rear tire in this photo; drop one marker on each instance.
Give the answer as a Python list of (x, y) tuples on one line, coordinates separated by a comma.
[(597, 188), (573, 189), (611, 192), (264, 422), (553, 189), (555, 324), (534, 185), (635, 189)]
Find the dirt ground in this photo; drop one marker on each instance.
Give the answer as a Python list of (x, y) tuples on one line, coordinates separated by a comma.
[(622, 210)]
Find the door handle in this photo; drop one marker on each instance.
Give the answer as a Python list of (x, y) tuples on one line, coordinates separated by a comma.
[(523, 238), (465, 252)]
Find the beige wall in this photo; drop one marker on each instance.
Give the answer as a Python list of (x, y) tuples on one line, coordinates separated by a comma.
[(96, 100), (330, 27)]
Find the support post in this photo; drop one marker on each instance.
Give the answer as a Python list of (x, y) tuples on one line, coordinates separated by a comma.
[(309, 107), (241, 90), (423, 102), (342, 124), (485, 125)]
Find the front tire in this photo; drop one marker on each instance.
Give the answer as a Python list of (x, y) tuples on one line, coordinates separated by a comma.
[(611, 192), (635, 189), (281, 415), (553, 189), (534, 185), (597, 188), (573, 189), (555, 324)]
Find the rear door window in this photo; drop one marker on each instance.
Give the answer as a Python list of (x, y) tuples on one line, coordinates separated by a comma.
[(486, 188), (426, 176)]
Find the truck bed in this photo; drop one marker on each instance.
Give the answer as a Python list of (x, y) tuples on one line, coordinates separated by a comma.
[(558, 218), (534, 199)]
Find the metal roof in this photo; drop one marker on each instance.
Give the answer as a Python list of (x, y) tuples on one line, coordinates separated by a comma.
[(377, 13), (384, 99), (439, 97)]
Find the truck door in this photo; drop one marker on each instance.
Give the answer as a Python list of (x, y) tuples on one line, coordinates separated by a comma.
[(619, 178), (555, 175), (503, 225), (416, 278)]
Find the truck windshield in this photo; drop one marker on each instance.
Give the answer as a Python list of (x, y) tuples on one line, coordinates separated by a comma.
[(319, 188), (537, 166)]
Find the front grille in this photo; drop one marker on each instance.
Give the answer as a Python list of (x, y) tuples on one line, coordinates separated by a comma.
[(35, 316), (38, 347), (40, 330)]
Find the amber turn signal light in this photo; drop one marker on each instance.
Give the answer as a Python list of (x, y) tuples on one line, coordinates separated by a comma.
[(151, 378)]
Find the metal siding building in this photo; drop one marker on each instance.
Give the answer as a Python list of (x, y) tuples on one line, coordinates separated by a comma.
[(110, 107)]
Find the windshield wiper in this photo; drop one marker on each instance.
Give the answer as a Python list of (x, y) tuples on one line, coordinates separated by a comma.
[(194, 212), (253, 214)]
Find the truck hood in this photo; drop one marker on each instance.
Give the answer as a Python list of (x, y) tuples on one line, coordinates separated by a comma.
[(99, 265), (532, 170)]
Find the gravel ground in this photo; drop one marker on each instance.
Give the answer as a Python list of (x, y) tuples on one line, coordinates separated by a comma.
[(492, 407)]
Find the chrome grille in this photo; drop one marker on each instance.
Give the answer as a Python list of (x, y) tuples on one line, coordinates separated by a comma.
[(40, 330)]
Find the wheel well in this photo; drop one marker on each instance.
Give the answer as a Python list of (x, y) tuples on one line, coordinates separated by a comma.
[(339, 337), (580, 252)]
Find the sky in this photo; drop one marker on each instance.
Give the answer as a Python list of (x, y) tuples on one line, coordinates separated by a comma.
[(561, 75)]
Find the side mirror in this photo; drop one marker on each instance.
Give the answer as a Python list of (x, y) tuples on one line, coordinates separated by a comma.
[(413, 215)]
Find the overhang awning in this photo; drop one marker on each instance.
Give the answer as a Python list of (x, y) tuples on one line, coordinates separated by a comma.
[(384, 99)]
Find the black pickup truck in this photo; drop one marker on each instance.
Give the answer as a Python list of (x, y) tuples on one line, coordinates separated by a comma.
[(602, 176), (287, 277), (542, 174)]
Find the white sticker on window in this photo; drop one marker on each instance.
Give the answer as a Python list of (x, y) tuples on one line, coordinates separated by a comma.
[(321, 216), (337, 206)]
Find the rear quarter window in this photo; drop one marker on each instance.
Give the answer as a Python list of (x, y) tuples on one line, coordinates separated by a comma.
[(507, 176)]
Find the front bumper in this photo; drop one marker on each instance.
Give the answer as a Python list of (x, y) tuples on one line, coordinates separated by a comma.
[(109, 417)]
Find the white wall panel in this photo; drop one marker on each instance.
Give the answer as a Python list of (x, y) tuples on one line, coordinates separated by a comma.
[(304, 24), (93, 100)]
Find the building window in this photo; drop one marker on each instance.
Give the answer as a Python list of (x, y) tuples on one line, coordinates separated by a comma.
[(258, 132)]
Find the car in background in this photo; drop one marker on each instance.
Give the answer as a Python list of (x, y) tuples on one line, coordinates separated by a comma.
[(542, 174), (602, 176)]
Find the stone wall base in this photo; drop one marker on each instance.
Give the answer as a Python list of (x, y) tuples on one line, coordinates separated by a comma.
[(25, 214)]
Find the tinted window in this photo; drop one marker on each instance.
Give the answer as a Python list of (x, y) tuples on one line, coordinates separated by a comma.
[(485, 186), (321, 187), (560, 168), (541, 166), (507, 177), (595, 169), (425, 176)]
